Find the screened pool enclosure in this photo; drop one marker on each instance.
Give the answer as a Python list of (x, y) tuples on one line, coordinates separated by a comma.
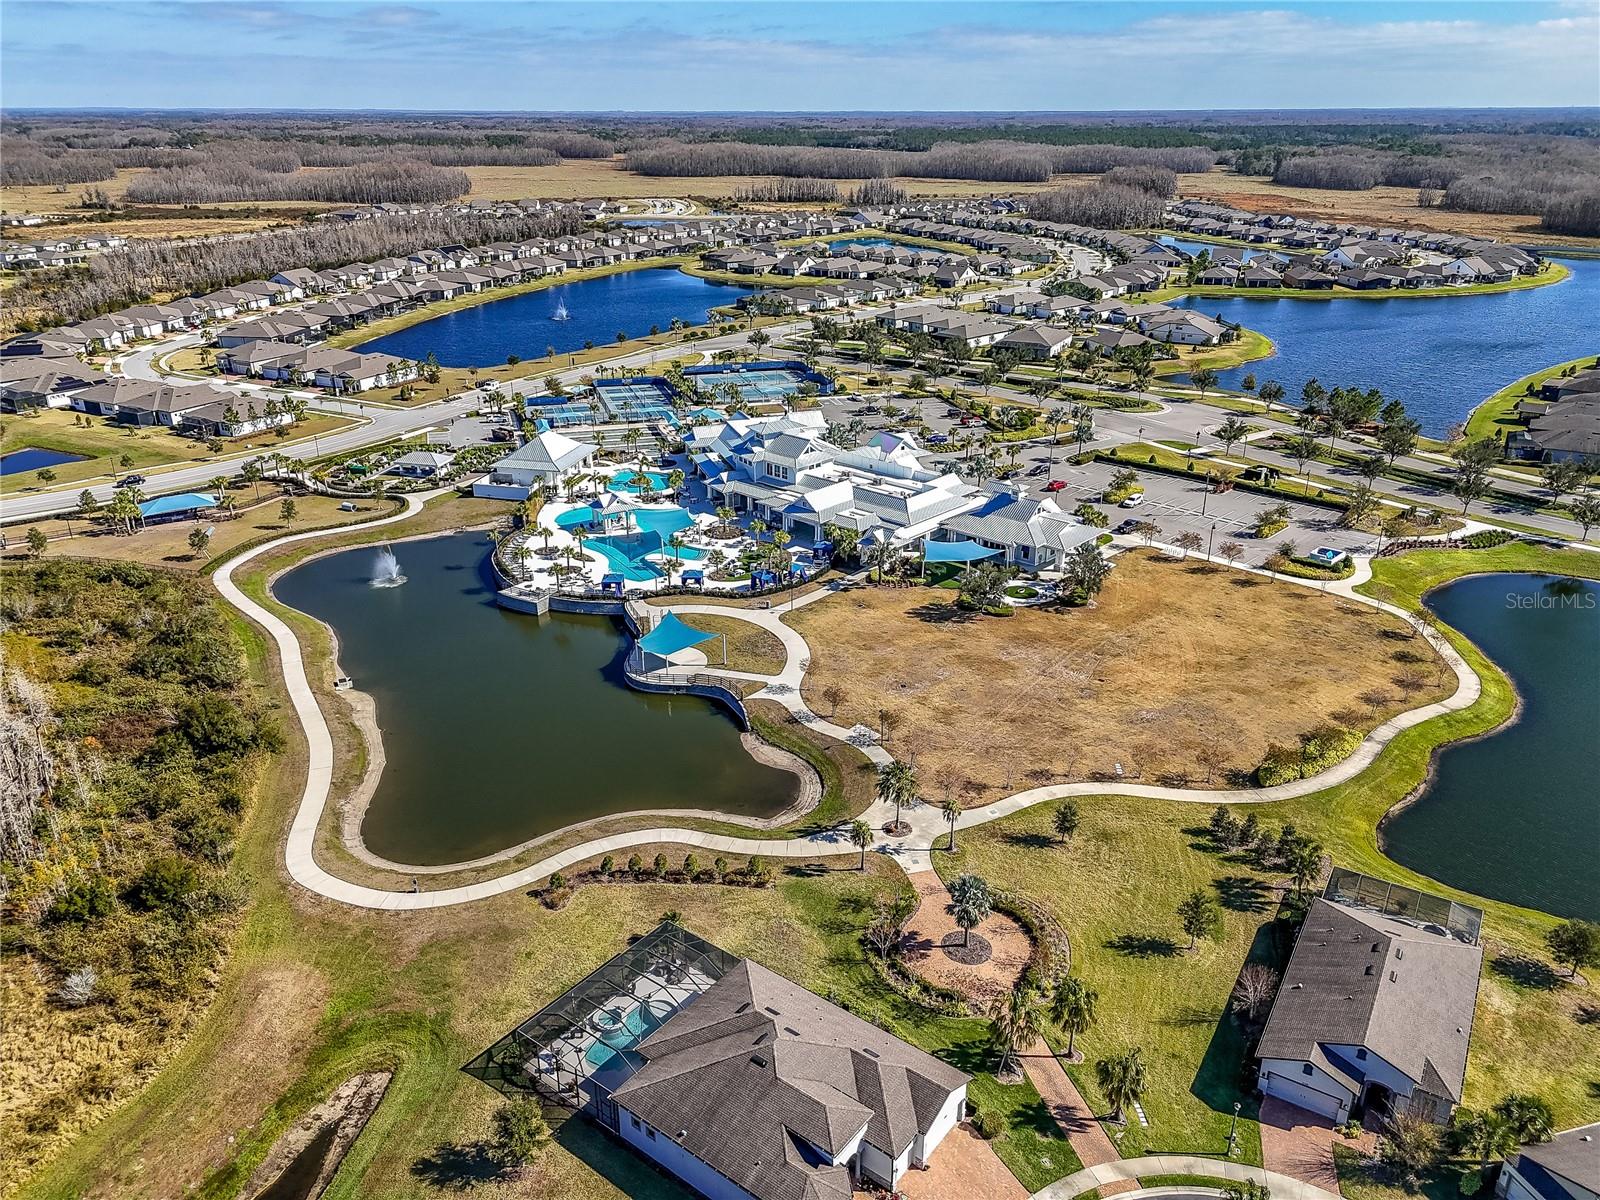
[(579, 1048)]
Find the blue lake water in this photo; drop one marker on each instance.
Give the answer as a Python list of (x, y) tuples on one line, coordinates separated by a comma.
[(31, 458), (1443, 356), (598, 309), (1515, 815)]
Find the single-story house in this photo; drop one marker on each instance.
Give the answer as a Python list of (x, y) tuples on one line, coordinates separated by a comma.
[(1567, 1167), (1375, 1008), (1036, 341), (760, 1089)]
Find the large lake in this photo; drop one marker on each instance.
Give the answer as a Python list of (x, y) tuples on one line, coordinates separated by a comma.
[(629, 302), (499, 726), (1442, 356), (1516, 815)]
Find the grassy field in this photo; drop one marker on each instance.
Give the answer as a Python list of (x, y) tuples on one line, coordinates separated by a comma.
[(168, 544), (1126, 942), (1166, 663), (104, 442), (1496, 417), (1380, 206), (750, 647), (1120, 916), (1249, 346)]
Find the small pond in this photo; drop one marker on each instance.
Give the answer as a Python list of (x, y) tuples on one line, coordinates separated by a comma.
[(1516, 815), (31, 458), (529, 324), (498, 726)]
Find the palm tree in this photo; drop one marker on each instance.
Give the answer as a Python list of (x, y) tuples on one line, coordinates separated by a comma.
[(1014, 1020), (897, 785), (1528, 1116), (1123, 1079), (861, 836), (1072, 1005), (950, 806), (1488, 1135)]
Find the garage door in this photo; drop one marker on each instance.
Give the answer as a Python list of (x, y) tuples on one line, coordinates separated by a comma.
[(1306, 1097)]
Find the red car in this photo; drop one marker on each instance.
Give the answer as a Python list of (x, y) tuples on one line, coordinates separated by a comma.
[(1055, 485)]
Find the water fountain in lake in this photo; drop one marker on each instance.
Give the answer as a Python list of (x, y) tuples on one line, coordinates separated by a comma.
[(386, 573), (561, 313)]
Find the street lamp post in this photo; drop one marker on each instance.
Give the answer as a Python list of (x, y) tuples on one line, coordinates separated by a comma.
[(1210, 537), (1233, 1128)]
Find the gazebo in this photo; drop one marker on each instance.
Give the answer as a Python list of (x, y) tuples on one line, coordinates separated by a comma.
[(670, 638)]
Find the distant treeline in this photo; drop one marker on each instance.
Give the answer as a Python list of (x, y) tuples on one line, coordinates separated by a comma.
[(135, 273), (999, 162), (369, 183), (1553, 177)]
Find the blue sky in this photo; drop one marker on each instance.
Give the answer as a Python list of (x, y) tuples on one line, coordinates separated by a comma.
[(676, 55)]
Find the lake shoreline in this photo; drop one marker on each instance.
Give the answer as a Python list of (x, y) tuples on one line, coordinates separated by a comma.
[(354, 807)]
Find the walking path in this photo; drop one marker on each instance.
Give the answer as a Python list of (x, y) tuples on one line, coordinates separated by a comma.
[(1066, 1104), (1283, 1187), (913, 850)]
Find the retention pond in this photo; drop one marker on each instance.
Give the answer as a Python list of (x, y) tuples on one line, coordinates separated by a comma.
[(564, 317), (1516, 815), (498, 726)]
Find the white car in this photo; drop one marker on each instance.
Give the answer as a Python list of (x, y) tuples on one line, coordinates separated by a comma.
[(1133, 501)]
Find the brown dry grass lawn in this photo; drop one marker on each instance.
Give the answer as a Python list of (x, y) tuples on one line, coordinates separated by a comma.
[(750, 647), (1174, 655)]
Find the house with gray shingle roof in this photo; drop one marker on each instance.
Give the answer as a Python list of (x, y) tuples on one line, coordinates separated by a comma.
[(759, 1088), (1374, 1010), (1567, 1167)]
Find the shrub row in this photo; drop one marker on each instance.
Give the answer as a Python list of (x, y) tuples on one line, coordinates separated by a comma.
[(1319, 749)]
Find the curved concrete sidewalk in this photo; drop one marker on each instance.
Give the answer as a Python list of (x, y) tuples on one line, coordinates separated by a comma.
[(914, 850), (1283, 1187)]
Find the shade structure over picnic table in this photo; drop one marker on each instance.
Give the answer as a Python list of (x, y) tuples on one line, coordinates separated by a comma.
[(671, 635), (957, 552)]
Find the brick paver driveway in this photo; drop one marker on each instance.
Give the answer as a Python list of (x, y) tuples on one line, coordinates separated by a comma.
[(964, 1165), (1298, 1143)]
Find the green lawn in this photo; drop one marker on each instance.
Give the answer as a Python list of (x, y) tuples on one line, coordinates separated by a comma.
[(1496, 416), (1247, 347), (1119, 910)]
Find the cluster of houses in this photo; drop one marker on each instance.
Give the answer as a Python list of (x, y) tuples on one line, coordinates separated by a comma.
[(195, 409), (1325, 254), (1562, 421), (55, 252)]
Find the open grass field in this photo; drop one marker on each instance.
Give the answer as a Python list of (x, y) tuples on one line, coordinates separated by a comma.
[(1531, 1031), (1175, 655), (1381, 206), (154, 221), (1248, 347), (104, 443), (168, 544)]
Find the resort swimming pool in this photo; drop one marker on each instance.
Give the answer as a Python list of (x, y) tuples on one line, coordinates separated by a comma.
[(623, 481), (628, 553)]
